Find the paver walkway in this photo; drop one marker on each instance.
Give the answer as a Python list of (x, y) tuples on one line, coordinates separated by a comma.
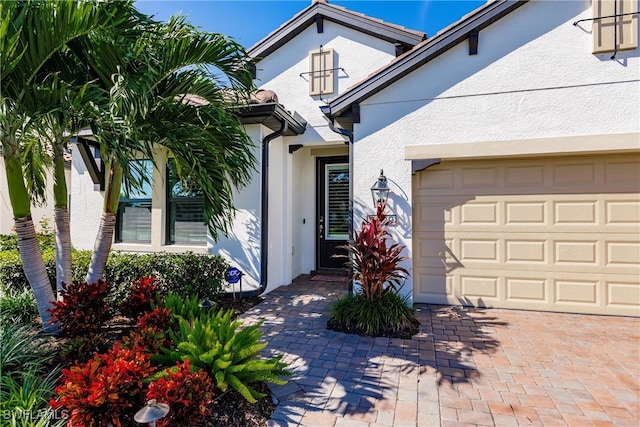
[(465, 367)]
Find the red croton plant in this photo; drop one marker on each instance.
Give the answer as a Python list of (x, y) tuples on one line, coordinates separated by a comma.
[(106, 390), (139, 302), (375, 257)]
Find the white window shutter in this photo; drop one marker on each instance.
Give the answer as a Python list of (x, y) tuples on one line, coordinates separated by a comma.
[(321, 76), (605, 32)]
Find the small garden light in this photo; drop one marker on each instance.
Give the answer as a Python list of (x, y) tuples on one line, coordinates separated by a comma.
[(380, 190), (207, 304), (152, 412)]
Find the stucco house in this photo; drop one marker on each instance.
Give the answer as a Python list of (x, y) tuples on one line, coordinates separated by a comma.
[(42, 214), (510, 141)]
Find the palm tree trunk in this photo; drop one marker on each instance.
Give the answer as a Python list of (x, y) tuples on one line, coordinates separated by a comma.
[(101, 247), (34, 270), (61, 219), (30, 252), (104, 239), (63, 248)]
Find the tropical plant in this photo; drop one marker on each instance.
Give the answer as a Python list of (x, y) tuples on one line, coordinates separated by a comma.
[(187, 308), (29, 68), (375, 258), (159, 317), (390, 315), (147, 339), (187, 393), (217, 345), (139, 84), (106, 390), (79, 349), (161, 95), (82, 309), (142, 296)]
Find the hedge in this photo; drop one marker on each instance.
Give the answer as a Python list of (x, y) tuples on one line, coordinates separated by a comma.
[(184, 274)]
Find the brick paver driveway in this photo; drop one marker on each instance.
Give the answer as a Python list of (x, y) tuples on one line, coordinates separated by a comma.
[(465, 367)]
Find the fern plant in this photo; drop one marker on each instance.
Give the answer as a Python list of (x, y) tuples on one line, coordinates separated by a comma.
[(214, 344)]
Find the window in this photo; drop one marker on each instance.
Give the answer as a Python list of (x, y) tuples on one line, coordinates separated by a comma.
[(337, 201), (621, 31), (185, 210), (321, 76), (133, 220)]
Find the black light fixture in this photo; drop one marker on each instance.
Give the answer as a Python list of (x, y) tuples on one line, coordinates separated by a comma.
[(380, 190)]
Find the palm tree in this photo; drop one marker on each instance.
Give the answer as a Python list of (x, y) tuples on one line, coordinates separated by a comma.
[(46, 142), (142, 80), (162, 94), (32, 35)]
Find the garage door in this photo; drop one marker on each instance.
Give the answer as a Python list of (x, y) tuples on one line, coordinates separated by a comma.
[(553, 234)]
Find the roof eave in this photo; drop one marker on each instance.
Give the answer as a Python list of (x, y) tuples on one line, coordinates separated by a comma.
[(270, 115), (307, 17)]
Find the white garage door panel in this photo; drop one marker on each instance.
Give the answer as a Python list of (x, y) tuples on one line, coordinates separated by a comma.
[(553, 234)]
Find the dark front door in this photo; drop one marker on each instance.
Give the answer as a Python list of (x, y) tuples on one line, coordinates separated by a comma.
[(333, 210)]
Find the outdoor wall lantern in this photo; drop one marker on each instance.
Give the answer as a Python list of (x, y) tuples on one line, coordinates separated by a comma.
[(152, 412), (380, 190)]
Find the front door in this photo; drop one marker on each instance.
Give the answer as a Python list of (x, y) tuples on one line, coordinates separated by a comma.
[(333, 210)]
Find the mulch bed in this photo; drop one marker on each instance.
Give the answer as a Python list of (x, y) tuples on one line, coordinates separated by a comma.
[(232, 410)]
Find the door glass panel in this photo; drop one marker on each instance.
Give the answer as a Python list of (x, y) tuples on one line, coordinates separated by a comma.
[(337, 201)]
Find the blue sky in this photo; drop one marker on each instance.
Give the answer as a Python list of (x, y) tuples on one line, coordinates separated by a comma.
[(248, 21)]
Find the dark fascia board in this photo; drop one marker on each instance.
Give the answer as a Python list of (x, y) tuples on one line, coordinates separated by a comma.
[(271, 114), (431, 48), (297, 24)]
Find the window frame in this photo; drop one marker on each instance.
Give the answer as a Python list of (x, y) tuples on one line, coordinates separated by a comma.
[(169, 239), (124, 202)]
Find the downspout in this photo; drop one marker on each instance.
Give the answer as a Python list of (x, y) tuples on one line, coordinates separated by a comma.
[(349, 135), (264, 216)]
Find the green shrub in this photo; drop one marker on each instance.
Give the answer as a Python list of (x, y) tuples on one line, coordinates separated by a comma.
[(46, 238), (18, 306), (12, 277), (184, 274), (8, 242), (388, 315), (215, 344)]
